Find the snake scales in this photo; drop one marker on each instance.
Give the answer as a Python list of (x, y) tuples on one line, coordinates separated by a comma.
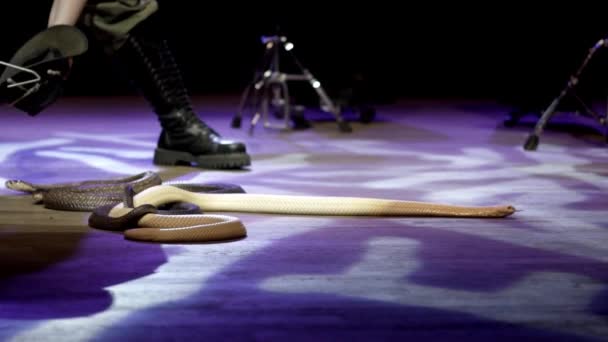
[(147, 209)]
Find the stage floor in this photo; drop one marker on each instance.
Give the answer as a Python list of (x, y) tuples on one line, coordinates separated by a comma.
[(541, 274)]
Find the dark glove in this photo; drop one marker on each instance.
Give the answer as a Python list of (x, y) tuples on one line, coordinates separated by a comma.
[(47, 59)]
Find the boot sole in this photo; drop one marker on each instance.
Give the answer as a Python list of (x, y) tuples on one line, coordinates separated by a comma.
[(212, 161)]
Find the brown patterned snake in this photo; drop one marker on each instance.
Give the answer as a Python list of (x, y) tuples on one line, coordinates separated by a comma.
[(139, 216)]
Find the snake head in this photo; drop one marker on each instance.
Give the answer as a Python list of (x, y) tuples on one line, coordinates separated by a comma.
[(22, 186), (19, 185)]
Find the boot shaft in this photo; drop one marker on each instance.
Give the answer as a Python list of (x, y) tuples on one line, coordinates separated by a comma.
[(155, 72)]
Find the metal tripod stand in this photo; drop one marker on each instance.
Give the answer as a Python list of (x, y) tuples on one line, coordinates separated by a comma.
[(533, 139), (269, 90)]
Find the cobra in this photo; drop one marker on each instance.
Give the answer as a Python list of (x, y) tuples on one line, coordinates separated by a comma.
[(141, 218)]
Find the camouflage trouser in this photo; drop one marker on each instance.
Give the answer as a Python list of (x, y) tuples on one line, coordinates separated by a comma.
[(110, 21)]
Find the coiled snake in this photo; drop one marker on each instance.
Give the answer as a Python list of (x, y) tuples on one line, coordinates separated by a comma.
[(147, 209)]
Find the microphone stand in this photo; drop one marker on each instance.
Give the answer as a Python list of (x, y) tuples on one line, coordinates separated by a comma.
[(532, 141)]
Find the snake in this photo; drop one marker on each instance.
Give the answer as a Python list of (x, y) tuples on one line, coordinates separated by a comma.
[(147, 209)]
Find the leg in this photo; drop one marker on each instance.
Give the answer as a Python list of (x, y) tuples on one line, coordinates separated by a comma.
[(65, 12), (139, 44)]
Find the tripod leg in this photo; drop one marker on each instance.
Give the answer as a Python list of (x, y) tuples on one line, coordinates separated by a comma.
[(265, 106), (286, 105), (238, 117), (258, 103), (532, 142), (327, 104), (254, 86)]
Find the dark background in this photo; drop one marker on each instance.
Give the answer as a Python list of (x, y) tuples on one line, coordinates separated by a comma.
[(506, 52)]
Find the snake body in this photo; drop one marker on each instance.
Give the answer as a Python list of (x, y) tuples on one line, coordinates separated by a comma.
[(142, 220), (86, 195), (91, 194)]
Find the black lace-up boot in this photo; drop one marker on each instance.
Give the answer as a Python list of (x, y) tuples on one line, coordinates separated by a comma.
[(184, 137)]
